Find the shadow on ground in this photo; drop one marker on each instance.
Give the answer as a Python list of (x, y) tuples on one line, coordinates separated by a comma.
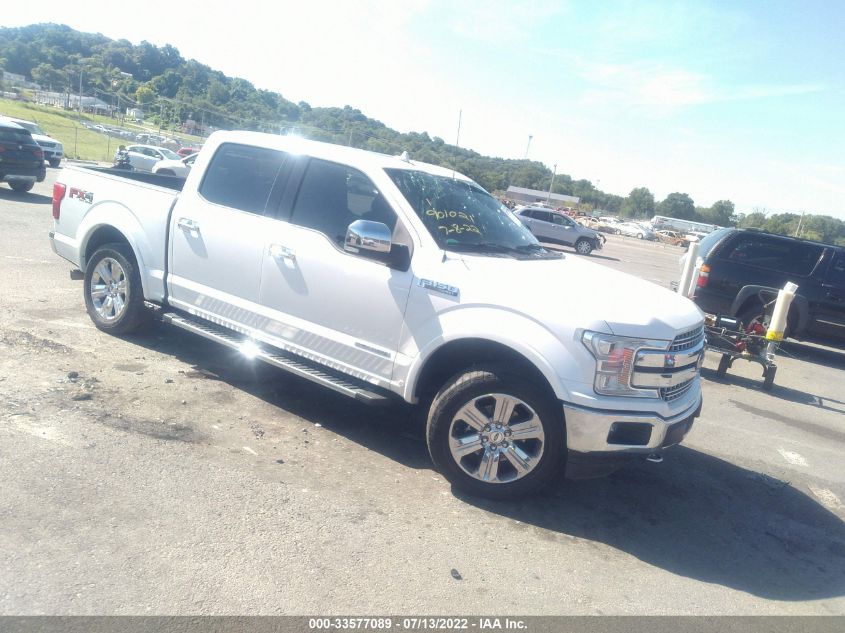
[(19, 196), (694, 515), (777, 391), (704, 518), (816, 354)]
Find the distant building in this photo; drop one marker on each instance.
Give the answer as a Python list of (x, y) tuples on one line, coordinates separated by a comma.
[(136, 114), (528, 196), (14, 80)]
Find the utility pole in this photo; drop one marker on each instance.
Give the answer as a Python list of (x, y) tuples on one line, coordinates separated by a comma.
[(800, 222), (80, 93), (527, 147), (458, 139), (552, 183)]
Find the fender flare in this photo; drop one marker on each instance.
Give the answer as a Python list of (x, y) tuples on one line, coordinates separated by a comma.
[(120, 218)]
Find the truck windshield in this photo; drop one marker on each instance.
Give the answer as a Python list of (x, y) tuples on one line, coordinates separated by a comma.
[(461, 216), (33, 129)]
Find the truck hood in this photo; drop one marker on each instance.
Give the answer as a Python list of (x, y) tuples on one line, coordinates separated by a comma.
[(41, 138), (574, 293)]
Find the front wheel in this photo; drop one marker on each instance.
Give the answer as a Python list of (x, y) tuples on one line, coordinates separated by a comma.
[(22, 185), (639, 236), (55, 162), (114, 297), (494, 433), (583, 246)]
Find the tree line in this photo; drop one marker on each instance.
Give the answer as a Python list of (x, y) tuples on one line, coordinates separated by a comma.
[(173, 90)]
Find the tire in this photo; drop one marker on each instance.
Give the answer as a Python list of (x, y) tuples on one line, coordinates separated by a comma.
[(21, 186), (166, 172), (755, 312), (55, 162), (724, 364), (583, 246), (639, 236), (499, 467), (617, 232), (116, 304)]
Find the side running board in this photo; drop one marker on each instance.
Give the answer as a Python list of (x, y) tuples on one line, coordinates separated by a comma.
[(289, 362)]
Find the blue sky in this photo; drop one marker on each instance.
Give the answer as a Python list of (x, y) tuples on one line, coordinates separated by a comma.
[(742, 101)]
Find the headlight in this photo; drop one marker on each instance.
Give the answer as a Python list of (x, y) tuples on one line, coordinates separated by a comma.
[(615, 358)]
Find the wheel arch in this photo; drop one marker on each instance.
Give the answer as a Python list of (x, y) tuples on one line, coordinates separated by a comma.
[(454, 356)]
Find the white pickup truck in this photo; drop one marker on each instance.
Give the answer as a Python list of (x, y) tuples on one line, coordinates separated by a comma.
[(384, 278)]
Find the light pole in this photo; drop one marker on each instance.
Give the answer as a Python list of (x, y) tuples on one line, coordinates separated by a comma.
[(80, 93), (552, 183), (527, 147)]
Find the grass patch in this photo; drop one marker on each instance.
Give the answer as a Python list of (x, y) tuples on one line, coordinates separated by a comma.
[(66, 126)]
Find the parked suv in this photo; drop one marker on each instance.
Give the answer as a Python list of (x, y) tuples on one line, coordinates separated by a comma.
[(21, 159), (743, 269), (53, 149), (548, 225)]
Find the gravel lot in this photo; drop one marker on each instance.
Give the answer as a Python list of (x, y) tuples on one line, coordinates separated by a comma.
[(162, 474)]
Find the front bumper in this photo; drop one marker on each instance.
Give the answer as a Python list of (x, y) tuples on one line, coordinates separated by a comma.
[(599, 441)]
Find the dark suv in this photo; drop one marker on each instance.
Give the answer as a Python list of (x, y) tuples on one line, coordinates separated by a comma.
[(743, 270), (21, 158)]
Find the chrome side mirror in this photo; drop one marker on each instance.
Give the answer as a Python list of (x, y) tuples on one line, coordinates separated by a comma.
[(365, 235)]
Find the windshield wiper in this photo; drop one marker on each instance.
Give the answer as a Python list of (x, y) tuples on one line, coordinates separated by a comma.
[(523, 250)]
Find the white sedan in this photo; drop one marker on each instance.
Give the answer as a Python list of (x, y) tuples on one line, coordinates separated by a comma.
[(171, 167), (633, 229), (144, 157)]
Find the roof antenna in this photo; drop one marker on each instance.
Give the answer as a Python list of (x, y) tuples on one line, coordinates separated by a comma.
[(405, 157)]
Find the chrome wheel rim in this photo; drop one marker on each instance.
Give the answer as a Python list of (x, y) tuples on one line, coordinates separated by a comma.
[(496, 438), (108, 289)]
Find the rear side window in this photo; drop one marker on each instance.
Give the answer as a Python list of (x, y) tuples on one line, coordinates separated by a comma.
[(836, 274), (241, 176), (333, 196), (10, 135), (543, 216), (763, 251), (708, 241)]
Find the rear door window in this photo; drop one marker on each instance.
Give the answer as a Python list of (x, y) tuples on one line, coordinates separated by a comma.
[(241, 176), (765, 251), (543, 216)]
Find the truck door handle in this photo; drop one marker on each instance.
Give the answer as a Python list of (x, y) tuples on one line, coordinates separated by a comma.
[(277, 251), (188, 225)]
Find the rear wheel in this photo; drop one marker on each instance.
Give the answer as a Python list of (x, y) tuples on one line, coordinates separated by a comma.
[(493, 433), (114, 297), (583, 246), (756, 313), (22, 185), (166, 172), (639, 236)]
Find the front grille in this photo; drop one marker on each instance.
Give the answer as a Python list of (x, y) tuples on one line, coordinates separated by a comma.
[(673, 393), (46, 144), (688, 340)]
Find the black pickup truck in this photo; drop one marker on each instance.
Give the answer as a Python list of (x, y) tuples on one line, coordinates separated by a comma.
[(744, 268)]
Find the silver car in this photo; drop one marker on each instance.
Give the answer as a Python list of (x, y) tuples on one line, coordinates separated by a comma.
[(144, 157), (548, 225)]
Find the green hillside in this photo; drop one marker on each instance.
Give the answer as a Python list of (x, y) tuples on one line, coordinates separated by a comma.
[(173, 90)]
